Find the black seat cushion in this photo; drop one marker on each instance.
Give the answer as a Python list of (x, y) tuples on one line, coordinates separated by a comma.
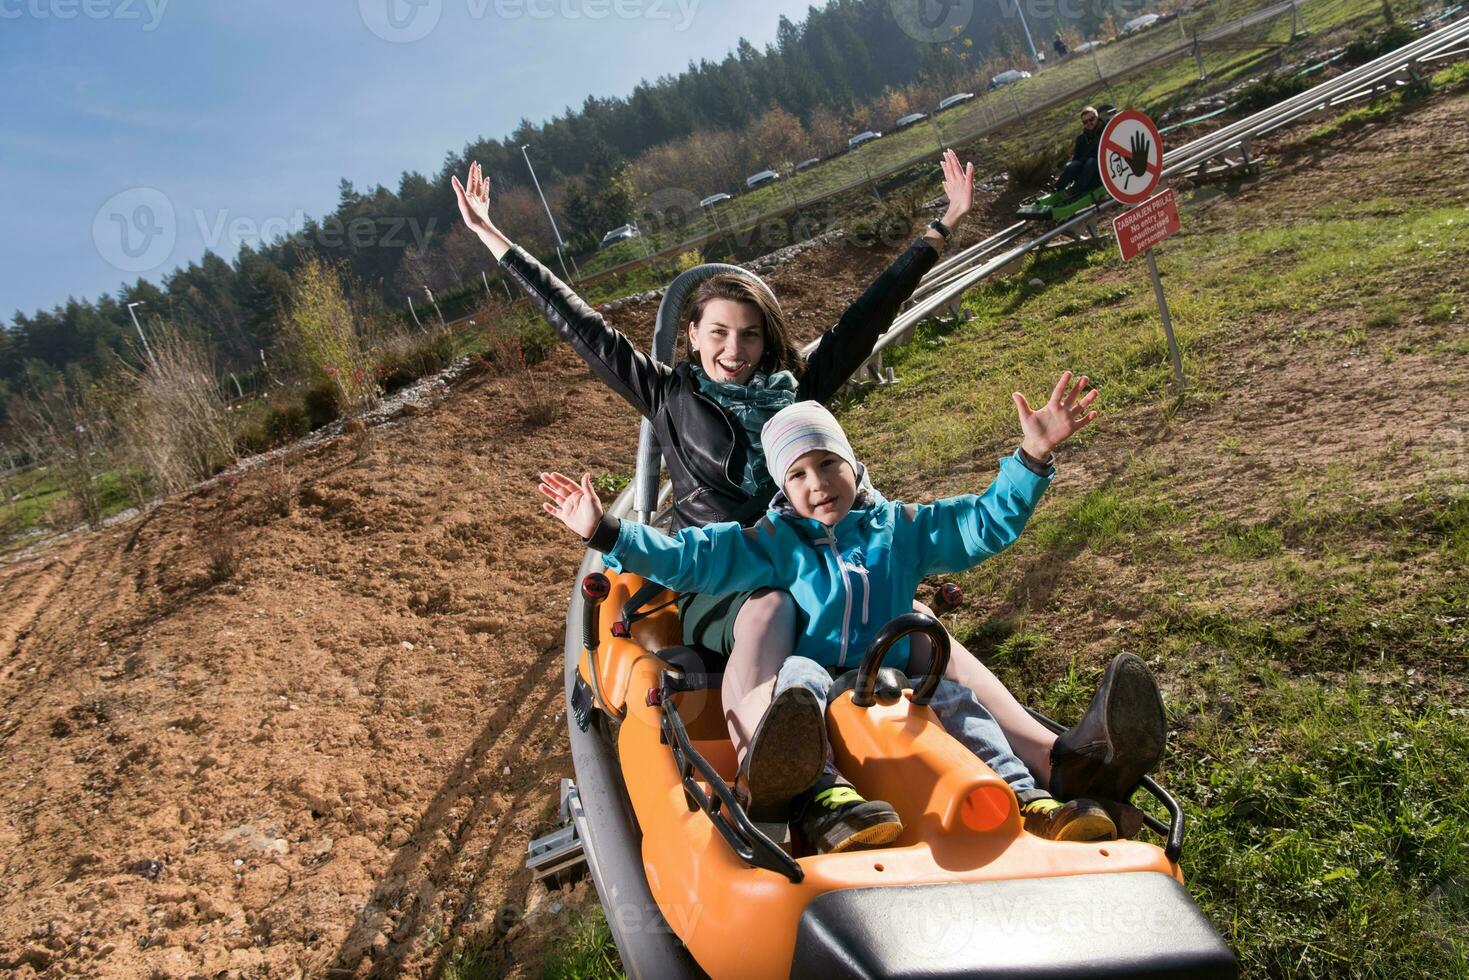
[(702, 668)]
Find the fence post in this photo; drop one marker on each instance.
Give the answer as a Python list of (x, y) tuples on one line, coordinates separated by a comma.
[(1111, 95), (1016, 103)]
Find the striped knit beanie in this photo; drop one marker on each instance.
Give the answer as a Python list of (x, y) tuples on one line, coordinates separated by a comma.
[(799, 429)]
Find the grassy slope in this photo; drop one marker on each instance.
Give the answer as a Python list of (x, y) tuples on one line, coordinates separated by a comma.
[(1312, 647), (1317, 745)]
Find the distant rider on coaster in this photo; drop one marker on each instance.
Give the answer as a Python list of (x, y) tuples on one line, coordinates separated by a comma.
[(1080, 175)]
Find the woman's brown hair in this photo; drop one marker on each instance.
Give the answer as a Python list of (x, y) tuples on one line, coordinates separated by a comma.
[(780, 354)]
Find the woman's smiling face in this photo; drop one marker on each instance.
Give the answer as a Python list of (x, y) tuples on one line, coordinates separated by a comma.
[(729, 340)]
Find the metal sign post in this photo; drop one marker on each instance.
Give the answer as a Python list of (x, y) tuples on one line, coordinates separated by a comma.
[(1167, 324), (1130, 162)]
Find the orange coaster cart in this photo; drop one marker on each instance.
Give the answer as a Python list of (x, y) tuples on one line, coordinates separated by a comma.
[(692, 887)]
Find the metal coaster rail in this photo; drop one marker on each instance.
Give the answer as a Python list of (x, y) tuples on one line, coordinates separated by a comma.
[(946, 283)]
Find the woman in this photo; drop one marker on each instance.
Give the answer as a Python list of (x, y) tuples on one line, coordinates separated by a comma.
[(707, 412)]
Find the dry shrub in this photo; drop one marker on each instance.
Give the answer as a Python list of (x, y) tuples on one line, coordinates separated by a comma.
[(172, 422), (403, 358), (1033, 169), (66, 423), (326, 334), (279, 490), (223, 553), (513, 353), (538, 400)]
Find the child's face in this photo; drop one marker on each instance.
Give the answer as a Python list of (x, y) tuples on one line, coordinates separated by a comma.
[(821, 485)]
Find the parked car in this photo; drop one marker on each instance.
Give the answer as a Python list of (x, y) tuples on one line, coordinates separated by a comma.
[(619, 234), (713, 199), (865, 136), (954, 100), (1007, 78), (1139, 23), (1085, 46), (763, 177), (910, 119), (807, 164)]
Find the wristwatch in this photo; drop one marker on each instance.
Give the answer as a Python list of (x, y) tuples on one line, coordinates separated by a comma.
[(937, 224)]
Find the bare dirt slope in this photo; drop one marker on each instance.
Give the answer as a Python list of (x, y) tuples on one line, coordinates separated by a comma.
[(328, 761), (333, 756)]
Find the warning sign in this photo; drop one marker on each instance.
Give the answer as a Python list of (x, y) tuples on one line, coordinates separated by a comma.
[(1130, 156), (1146, 225)]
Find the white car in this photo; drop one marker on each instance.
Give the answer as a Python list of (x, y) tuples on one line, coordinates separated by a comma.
[(807, 164), (764, 176), (1085, 46), (619, 234), (910, 119), (1138, 23), (1008, 78), (863, 137), (713, 199), (955, 99)]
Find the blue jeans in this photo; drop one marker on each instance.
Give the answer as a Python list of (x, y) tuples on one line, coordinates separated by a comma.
[(1080, 175), (959, 712)]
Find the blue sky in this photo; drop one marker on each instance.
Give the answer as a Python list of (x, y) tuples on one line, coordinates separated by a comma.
[(239, 117)]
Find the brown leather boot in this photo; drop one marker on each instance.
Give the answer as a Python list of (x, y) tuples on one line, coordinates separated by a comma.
[(1117, 742), (785, 756)]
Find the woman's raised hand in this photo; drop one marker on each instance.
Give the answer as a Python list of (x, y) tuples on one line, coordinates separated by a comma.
[(474, 208), (574, 504), (959, 186), (1058, 419)]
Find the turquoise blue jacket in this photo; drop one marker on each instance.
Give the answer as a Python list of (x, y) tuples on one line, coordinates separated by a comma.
[(849, 580)]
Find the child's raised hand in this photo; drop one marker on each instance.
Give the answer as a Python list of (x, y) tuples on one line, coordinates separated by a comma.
[(574, 504), (1058, 418)]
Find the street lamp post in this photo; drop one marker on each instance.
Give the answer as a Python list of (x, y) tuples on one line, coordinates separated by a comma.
[(138, 327), (1034, 55), (554, 230)]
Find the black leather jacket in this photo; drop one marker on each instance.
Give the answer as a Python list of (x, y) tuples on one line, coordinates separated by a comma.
[(703, 448)]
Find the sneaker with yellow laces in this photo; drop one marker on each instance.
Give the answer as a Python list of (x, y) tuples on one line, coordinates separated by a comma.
[(832, 817), (1074, 820)]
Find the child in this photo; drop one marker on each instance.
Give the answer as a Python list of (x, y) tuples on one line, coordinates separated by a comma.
[(852, 561)]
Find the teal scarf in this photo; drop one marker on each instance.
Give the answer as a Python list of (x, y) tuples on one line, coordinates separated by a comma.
[(752, 405)]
